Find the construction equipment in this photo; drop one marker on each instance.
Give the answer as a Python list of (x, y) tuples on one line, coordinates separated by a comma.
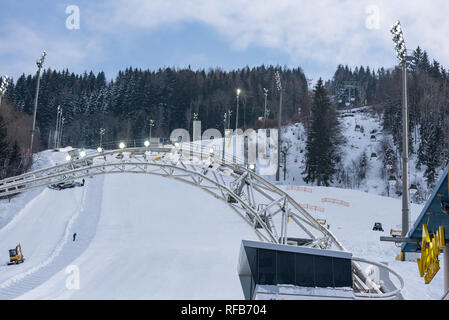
[(15, 255), (378, 227), (396, 233), (64, 185), (321, 221)]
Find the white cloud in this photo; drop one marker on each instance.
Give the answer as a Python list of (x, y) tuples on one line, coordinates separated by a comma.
[(22, 47), (325, 32), (316, 34)]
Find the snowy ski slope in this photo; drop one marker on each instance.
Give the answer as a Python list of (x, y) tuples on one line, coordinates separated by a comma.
[(147, 237)]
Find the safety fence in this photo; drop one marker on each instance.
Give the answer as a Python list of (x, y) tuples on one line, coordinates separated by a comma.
[(312, 207), (301, 189), (335, 201)]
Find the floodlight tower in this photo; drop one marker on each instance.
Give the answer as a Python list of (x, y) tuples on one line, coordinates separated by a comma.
[(401, 51), (39, 64), (279, 88)]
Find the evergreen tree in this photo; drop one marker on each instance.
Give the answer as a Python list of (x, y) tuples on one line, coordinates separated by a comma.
[(323, 140)]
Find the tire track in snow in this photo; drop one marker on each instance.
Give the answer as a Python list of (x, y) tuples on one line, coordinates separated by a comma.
[(65, 251)]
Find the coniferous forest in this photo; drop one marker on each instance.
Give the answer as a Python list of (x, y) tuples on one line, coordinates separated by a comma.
[(124, 105)]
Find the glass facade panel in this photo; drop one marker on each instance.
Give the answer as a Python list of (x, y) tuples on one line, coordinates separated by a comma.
[(323, 272), (285, 266), (304, 270), (342, 272), (273, 267), (267, 266), (251, 254)]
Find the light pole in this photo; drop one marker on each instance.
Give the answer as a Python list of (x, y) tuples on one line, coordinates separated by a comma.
[(225, 119), (401, 50), (237, 114), (60, 131), (3, 87), (228, 120), (265, 93), (39, 64), (279, 87), (151, 124), (58, 123), (102, 132)]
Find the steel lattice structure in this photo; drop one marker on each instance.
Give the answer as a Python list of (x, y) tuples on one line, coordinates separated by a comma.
[(266, 208)]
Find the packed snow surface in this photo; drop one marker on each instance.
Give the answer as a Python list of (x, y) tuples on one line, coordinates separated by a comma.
[(148, 237)]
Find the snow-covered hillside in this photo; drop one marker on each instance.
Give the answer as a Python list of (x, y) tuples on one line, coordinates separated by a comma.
[(358, 142), (146, 237)]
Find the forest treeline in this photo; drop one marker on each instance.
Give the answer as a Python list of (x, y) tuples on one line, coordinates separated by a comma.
[(168, 96), (124, 105)]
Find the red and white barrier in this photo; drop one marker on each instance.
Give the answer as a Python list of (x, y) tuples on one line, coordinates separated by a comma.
[(297, 188), (336, 201)]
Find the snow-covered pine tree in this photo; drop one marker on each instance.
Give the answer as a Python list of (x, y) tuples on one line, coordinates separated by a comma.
[(323, 140)]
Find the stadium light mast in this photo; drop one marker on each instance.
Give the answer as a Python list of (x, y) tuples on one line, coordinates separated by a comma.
[(3, 87), (279, 88), (39, 64), (401, 50)]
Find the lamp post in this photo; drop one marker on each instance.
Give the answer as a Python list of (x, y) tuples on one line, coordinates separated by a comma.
[(3, 87), (265, 93), (39, 64), (102, 132), (225, 119), (60, 131), (237, 114), (236, 125), (151, 124), (401, 50), (229, 113), (279, 87), (58, 123)]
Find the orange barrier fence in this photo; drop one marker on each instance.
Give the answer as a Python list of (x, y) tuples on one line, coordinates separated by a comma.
[(311, 207), (340, 202), (302, 189)]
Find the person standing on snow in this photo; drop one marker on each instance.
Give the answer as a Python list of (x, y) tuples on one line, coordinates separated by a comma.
[(74, 236)]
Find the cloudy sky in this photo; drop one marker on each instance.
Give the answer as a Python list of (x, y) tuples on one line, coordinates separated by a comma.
[(315, 35)]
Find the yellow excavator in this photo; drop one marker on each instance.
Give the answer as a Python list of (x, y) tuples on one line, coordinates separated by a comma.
[(15, 255)]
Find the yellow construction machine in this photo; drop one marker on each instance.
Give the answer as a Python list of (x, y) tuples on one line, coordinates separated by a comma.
[(15, 255)]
